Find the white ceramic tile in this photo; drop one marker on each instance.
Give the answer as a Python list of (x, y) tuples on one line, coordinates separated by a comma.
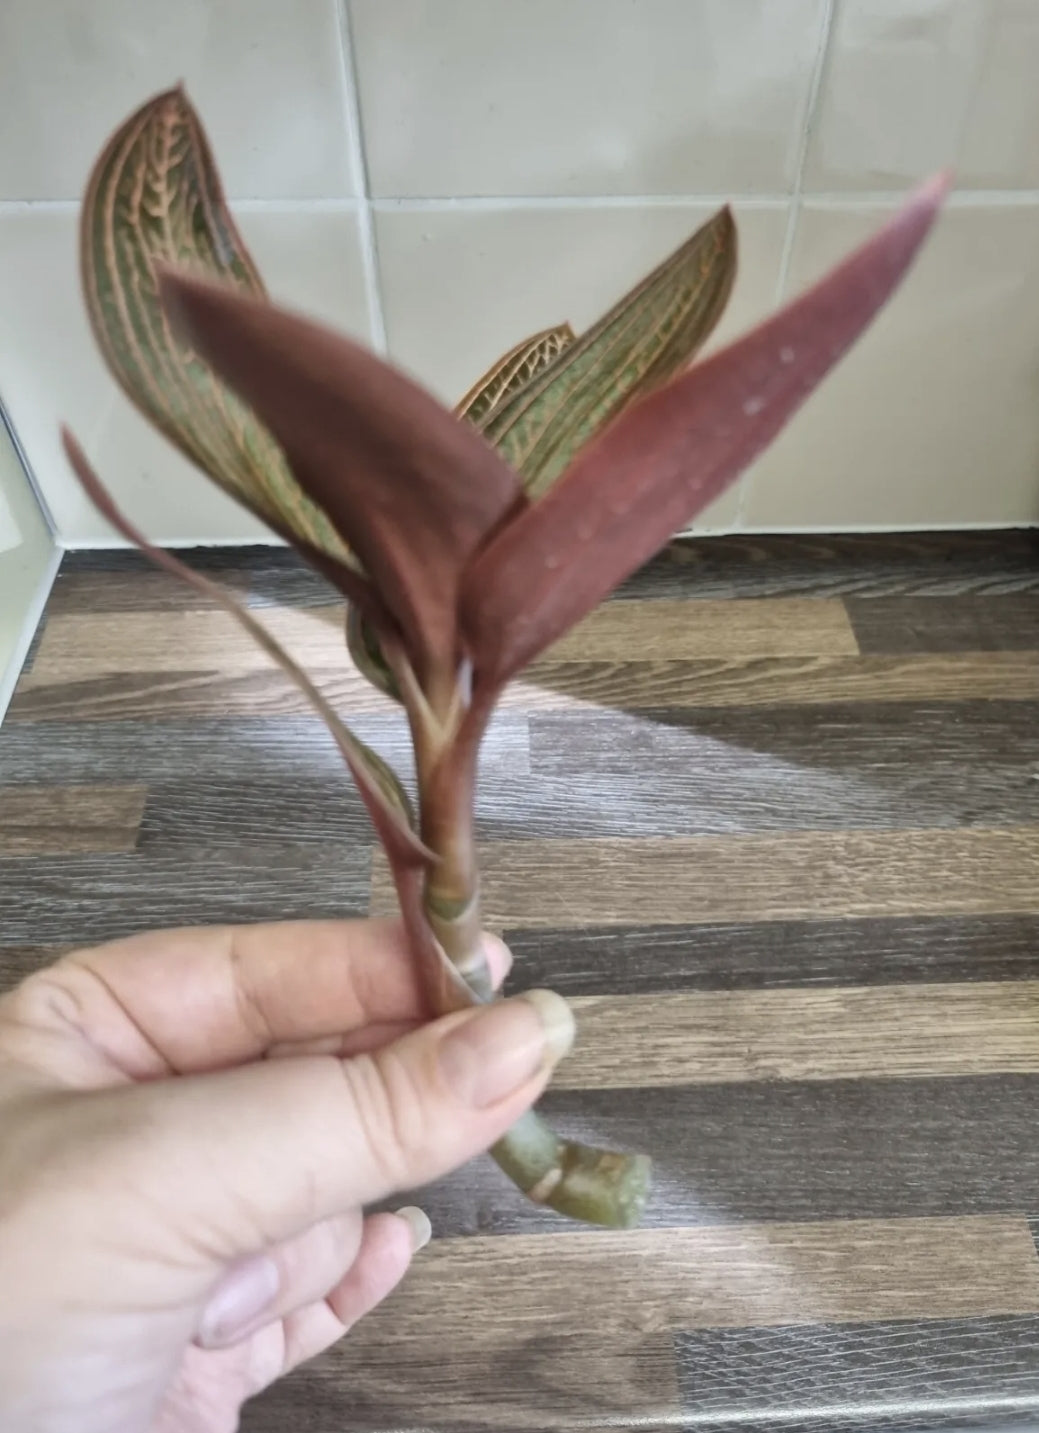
[(912, 85), (267, 76), (999, 149), (460, 286), (568, 97), (933, 419), (50, 370)]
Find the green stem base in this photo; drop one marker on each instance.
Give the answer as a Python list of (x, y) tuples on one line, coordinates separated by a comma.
[(598, 1186)]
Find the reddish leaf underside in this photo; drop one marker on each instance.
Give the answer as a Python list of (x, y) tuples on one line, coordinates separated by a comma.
[(408, 487), (670, 455)]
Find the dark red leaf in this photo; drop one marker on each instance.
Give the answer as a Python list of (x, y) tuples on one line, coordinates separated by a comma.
[(670, 455), (410, 489)]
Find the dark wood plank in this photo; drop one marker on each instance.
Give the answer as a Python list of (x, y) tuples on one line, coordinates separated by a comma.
[(683, 772), (938, 564), (82, 900), (40, 820), (18, 961), (854, 1378), (787, 1151), (531, 1382), (285, 750), (745, 565), (947, 624), (753, 955), (124, 581), (224, 815), (855, 739), (765, 681), (34, 645), (710, 880)]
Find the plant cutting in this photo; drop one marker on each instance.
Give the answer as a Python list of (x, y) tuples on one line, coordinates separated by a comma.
[(464, 543)]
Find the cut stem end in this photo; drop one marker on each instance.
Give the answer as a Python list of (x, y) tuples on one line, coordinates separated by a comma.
[(597, 1186)]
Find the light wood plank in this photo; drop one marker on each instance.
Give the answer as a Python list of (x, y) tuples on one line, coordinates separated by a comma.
[(776, 681), (728, 1276), (36, 820), (884, 1032), (806, 875), (684, 630), (84, 644)]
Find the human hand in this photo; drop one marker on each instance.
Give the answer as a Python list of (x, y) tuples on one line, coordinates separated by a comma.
[(190, 1124)]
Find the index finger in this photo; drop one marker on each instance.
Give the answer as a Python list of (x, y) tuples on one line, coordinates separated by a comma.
[(206, 998)]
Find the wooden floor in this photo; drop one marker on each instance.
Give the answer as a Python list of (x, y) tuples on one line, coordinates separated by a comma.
[(771, 818)]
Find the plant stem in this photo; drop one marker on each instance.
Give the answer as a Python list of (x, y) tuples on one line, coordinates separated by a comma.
[(596, 1185), (599, 1186)]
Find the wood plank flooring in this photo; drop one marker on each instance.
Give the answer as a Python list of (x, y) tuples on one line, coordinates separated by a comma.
[(771, 819)]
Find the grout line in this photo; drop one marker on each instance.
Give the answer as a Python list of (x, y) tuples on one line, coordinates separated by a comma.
[(811, 105), (369, 245), (844, 199), (344, 205), (493, 202), (849, 198), (52, 206), (815, 85)]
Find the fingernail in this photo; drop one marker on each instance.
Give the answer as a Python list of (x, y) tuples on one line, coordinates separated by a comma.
[(418, 1224), (499, 1048), (238, 1302), (498, 957)]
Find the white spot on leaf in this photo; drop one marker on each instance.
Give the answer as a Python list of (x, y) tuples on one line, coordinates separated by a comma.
[(786, 354)]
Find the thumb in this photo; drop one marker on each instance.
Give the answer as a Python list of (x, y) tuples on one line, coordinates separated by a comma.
[(245, 1158)]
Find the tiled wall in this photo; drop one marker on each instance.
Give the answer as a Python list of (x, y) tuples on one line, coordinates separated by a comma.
[(443, 176)]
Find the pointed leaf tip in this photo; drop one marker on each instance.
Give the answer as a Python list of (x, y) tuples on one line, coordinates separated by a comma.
[(670, 455), (646, 337)]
